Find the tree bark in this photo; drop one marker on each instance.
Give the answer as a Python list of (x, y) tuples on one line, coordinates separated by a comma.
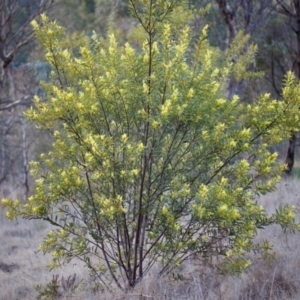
[(245, 15), (290, 157)]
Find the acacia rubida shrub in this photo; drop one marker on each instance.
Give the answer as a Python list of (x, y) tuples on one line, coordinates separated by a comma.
[(151, 164)]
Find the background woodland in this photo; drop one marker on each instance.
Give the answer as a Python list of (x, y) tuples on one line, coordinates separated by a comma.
[(274, 26)]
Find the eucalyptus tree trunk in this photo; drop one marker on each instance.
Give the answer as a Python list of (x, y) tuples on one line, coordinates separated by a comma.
[(245, 15), (228, 12), (15, 33), (291, 9)]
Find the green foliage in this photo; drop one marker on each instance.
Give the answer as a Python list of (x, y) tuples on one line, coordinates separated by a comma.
[(50, 291), (88, 15), (296, 172), (150, 163), (57, 288), (90, 6)]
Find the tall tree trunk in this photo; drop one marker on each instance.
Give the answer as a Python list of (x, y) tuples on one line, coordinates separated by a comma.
[(290, 157), (228, 14)]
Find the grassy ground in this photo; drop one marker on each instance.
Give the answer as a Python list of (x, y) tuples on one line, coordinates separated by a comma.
[(22, 268)]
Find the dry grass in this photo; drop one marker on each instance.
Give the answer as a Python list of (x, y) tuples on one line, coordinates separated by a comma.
[(22, 268)]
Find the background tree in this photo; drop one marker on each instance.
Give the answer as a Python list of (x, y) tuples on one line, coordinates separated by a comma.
[(291, 11), (247, 16), (277, 50), (15, 30), (15, 36), (86, 15), (139, 175)]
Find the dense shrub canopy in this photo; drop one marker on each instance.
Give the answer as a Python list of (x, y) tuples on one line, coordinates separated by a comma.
[(150, 162)]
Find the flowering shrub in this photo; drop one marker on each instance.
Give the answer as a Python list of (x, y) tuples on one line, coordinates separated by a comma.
[(150, 162)]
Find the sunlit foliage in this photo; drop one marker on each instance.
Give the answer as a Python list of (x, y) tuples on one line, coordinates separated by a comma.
[(151, 164)]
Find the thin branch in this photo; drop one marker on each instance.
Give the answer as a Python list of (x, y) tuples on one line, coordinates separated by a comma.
[(21, 101)]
